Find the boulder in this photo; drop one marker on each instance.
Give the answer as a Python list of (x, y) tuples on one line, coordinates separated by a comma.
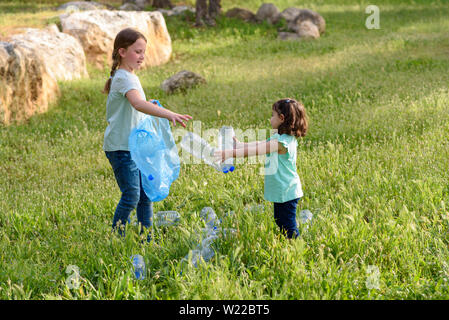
[(130, 7), (26, 87), (62, 54), (268, 12), (307, 15), (80, 6), (288, 36), (290, 14), (96, 31), (182, 81), (176, 11), (306, 30), (242, 14), (142, 4)]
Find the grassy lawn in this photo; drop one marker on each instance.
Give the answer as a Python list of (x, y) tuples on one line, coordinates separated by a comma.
[(373, 166)]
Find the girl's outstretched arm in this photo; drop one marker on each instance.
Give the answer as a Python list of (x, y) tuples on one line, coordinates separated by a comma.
[(259, 148), (152, 109), (239, 144)]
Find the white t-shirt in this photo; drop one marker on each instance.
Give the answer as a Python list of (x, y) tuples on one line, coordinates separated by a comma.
[(122, 117)]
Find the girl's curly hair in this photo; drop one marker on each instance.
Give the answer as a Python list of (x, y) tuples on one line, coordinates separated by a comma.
[(295, 118)]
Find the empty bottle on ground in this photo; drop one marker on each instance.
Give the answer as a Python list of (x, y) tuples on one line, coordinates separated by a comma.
[(166, 218), (139, 266), (305, 218)]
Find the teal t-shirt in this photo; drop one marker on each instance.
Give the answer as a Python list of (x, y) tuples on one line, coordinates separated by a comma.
[(122, 117), (282, 182)]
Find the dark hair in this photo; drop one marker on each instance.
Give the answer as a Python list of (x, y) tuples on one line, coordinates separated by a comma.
[(295, 118), (123, 39)]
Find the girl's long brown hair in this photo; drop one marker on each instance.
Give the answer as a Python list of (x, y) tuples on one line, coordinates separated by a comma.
[(123, 39), (295, 118)]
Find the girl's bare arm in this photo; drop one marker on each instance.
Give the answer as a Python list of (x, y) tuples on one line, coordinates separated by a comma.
[(152, 109)]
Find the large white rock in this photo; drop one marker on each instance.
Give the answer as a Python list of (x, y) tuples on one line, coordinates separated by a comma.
[(62, 54), (96, 31), (26, 87)]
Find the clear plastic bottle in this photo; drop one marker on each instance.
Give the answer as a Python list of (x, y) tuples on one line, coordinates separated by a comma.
[(166, 218), (194, 256), (200, 149), (139, 266), (226, 142), (255, 208), (305, 218), (207, 253), (208, 215)]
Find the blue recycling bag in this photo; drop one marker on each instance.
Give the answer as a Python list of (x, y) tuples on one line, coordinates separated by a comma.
[(154, 151)]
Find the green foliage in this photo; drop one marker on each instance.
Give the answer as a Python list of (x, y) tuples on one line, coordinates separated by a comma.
[(373, 166)]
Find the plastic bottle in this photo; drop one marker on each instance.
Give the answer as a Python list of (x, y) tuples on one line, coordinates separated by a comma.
[(255, 208), (166, 218), (200, 149), (305, 218), (193, 256), (208, 214), (226, 142), (207, 253), (139, 266)]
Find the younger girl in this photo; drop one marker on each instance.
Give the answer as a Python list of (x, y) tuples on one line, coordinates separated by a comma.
[(282, 184), (125, 107)]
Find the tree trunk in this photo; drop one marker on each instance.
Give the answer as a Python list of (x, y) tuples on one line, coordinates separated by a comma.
[(162, 4), (205, 13), (214, 8)]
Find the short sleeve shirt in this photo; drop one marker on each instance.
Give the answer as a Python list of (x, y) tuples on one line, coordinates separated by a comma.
[(282, 182), (122, 117)]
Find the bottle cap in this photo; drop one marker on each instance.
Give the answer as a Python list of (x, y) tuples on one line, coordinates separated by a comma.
[(150, 177)]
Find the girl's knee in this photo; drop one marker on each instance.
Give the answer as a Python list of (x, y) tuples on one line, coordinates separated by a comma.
[(130, 197)]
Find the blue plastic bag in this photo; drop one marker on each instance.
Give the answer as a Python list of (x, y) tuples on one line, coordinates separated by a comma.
[(154, 151)]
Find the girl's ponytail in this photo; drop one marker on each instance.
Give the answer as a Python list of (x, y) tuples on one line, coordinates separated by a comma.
[(295, 117), (115, 64), (123, 39)]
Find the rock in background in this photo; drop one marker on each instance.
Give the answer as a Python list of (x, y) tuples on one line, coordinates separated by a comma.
[(182, 81), (81, 6), (307, 15), (305, 24), (176, 11), (268, 12), (243, 14), (62, 54), (96, 31), (301, 23), (26, 87)]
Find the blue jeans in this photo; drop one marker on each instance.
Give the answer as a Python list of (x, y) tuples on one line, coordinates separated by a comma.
[(129, 180), (285, 217)]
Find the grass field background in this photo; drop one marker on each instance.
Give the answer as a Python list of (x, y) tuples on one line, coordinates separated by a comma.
[(374, 166)]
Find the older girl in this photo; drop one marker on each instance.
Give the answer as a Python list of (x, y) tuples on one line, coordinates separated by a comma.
[(125, 107)]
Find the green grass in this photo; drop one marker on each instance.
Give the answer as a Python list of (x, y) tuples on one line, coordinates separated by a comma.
[(374, 168)]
